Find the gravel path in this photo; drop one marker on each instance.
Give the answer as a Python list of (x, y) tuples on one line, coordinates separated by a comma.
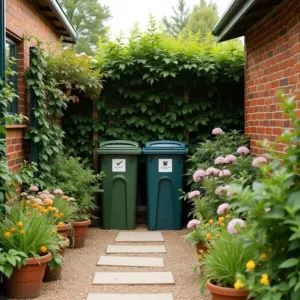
[(80, 267)]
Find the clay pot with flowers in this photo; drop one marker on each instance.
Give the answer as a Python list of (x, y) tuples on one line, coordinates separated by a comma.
[(33, 235), (225, 258)]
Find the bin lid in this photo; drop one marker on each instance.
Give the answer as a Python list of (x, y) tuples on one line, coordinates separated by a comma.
[(119, 147), (165, 147)]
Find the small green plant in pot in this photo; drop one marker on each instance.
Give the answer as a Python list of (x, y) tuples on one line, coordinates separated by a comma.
[(34, 235), (78, 180), (227, 256)]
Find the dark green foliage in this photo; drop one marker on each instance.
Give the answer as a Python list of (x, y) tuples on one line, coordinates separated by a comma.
[(161, 87)]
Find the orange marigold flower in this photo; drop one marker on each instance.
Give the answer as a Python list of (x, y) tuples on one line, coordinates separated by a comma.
[(250, 265), (209, 236), (264, 256), (20, 224), (211, 221), (50, 208), (56, 215), (7, 234), (28, 202), (13, 229), (22, 231), (34, 205), (43, 249), (221, 219), (61, 215), (60, 225)]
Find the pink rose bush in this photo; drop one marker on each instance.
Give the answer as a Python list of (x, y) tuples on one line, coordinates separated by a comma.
[(198, 175)]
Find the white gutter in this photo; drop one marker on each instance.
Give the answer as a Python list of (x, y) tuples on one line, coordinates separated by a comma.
[(63, 18)]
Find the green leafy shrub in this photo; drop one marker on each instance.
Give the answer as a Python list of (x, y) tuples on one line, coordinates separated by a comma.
[(272, 208), (77, 180)]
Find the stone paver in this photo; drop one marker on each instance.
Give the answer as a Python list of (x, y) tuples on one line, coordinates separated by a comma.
[(130, 261), (141, 236), (134, 278), (112, 249), (130, 297)]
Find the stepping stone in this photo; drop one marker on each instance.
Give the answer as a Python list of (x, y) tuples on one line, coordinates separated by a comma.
[(141, 236), (134, 278), (135, 249), (130, 297), (130, 261)]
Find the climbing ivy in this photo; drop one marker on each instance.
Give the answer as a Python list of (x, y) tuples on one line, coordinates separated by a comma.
[(55, 79), (161, 87)]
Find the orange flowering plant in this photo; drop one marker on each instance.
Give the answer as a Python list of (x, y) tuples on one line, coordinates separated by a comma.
[(32, 234)]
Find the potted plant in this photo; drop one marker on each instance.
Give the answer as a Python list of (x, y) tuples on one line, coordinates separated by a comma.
[(224, 259), (34, 235), (77, 179), (54, 267)]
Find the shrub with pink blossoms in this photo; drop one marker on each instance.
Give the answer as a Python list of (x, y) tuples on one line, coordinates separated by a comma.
[(230, 159), (198, 175), (234, 225), (224, 173), (217, 131), (193, 223), (222, 208), (243, 150), (219, 160), (259, 161), (193, 194)]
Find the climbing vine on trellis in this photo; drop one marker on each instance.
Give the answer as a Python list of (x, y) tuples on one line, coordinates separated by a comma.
[(55, 80), (160, 87)]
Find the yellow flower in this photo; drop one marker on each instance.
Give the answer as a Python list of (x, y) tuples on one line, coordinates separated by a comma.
[(13, 229), (222, 224), (209, 236), (50, 208), (7, 234), (28, 202), (217, 235), (22, 231), (264, 256), (211, 221), (60, 225), (238, 285), (61, 215), (250, 265), (20, 224), (34, 205), (221, 219), (228, 217), (43, 249), (29, 213), (265, 279), (56, 215)]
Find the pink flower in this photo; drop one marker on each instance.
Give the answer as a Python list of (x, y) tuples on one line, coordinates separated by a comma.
[(198, 175), (267, 209), (234, 225), (217, 131), (45, 192), (30, 197), (243, 151), (193, 223), (229, 194), (38, 201), (58, 192), (219, 160), (23, 194), (219, 190), (43, 196), (259, 161), (224, 173), (193, 194), (49, 201), (212, 171), (71, 199), (222, 208), (33, 188), (230, 159)]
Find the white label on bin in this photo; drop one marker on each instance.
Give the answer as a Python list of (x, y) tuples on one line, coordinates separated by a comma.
[(165, 165), (119, 165)]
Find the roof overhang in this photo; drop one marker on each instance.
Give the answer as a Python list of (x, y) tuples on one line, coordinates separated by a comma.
[(55, 14), (242, 15)]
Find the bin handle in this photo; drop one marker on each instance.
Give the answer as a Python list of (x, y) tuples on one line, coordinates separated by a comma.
[(119, 142), (120, 177)]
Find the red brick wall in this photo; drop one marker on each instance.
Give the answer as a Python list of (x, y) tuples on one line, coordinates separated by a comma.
[(23, 18), (272, 64)]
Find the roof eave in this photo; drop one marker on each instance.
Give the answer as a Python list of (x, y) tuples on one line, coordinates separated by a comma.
[(64, 19), (231, 17)]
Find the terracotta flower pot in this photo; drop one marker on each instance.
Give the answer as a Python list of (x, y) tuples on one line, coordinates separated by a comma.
[(201, 248), (54, 274), (26, 282), (220, 293), (65, 230), (80, 232)]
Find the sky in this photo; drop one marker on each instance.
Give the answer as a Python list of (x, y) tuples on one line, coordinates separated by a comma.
[(128, 12)]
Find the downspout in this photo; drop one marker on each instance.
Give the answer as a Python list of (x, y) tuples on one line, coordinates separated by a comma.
[(63, 18)]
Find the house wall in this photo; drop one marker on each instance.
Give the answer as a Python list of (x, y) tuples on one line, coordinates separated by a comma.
[(23, 19), (272, 64)]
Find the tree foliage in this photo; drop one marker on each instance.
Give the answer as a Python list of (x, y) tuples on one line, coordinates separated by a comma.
[(87, 17), (162, 87), (202, 19), (178, 20)]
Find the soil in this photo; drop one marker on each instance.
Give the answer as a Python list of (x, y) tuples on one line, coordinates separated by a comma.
[(80, 267)]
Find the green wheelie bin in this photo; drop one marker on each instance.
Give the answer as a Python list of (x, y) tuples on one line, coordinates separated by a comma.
[(119, 162), (165, 166)]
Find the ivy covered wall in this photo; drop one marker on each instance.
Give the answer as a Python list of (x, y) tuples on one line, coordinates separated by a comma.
[(160, 87)]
